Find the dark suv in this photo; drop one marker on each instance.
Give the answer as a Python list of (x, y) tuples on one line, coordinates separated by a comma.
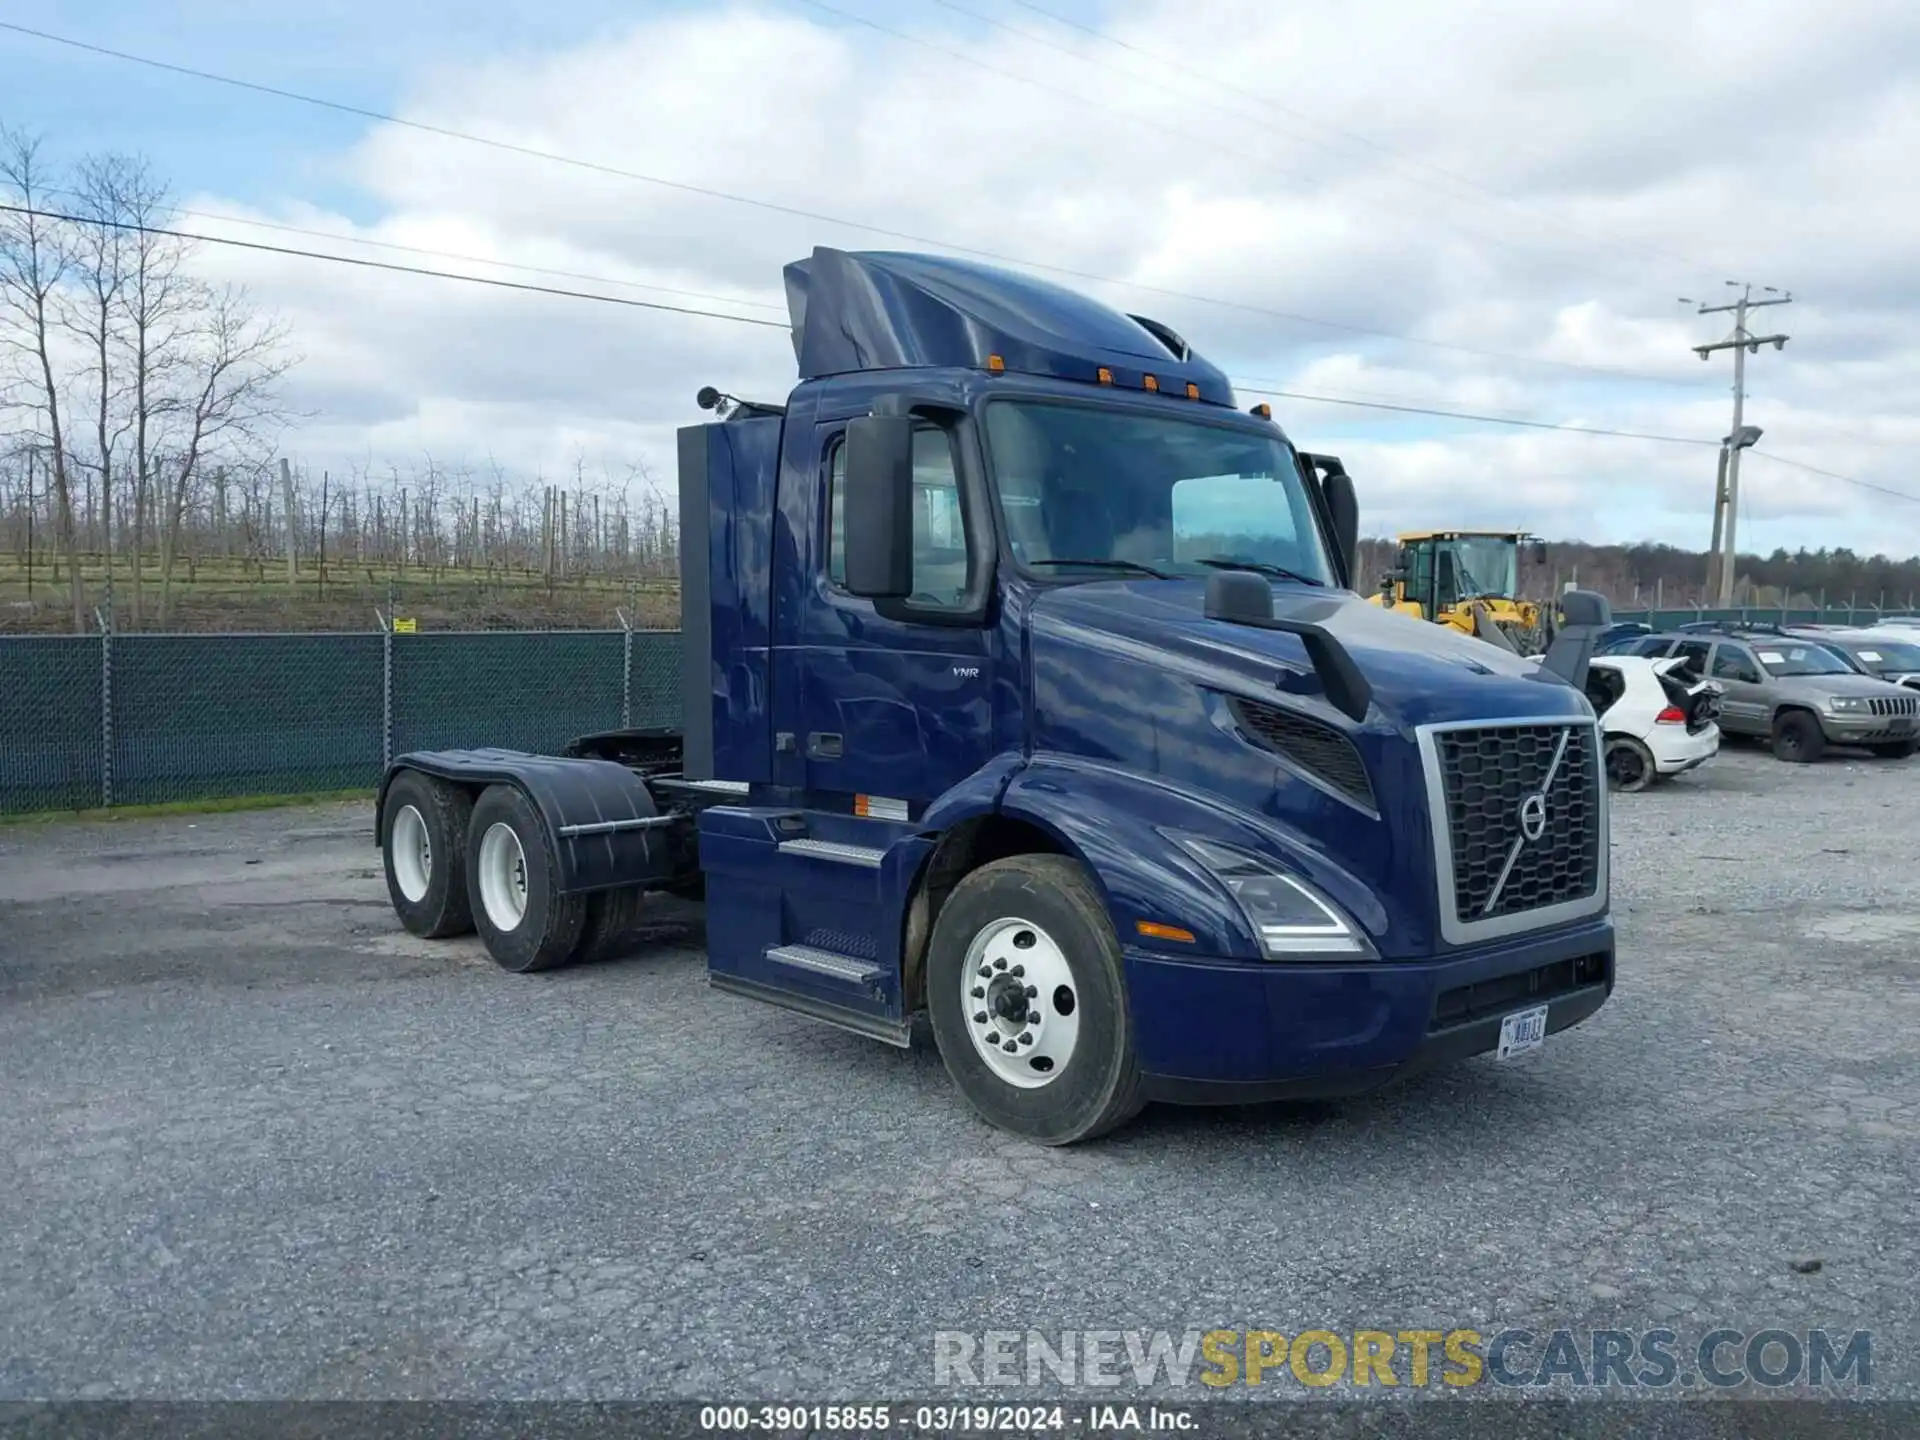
[(1796, 692)]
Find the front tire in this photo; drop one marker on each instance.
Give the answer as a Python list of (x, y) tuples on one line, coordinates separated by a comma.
[(1797, 738), (1030, 934), (526, 922), (423, 843), (1630, 767)]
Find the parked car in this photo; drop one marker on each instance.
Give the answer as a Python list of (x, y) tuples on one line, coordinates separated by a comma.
[(1887, 655), (1795, 692), (1657, 722), (1620, 633)]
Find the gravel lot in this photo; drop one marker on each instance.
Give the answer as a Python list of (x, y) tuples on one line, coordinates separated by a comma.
[(264, 1144)]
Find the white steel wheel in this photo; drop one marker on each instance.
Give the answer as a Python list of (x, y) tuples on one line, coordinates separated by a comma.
[(412, 853), (502, 871), (1021, 1002)]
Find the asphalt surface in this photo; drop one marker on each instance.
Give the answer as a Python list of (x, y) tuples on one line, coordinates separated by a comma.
[(261, 1143)]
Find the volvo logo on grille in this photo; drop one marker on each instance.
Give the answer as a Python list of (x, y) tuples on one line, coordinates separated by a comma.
[(1533, 817)]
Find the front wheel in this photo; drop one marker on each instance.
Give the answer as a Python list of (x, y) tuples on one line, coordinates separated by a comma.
[(1028, 1003), (1797, 737), (518, 908), (1630, 766)]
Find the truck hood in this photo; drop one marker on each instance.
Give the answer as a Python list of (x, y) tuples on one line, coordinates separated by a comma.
[(1133, 677), (1421, 673), (1817, 687)]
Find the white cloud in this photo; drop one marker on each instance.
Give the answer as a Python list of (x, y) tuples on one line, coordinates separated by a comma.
[(1645, 147)]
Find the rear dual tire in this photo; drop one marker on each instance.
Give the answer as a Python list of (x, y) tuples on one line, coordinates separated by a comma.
[(424, 845), (526, 921)]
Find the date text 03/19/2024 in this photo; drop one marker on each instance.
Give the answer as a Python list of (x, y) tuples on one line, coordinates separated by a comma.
[(959, 1419)]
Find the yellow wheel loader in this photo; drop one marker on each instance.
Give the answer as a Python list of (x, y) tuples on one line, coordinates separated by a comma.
[(1469, 579)]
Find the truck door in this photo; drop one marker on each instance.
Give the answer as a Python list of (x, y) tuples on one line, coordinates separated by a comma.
[(1744, 706), (896, 705)]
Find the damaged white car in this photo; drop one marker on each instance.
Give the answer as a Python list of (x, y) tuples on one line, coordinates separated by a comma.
[(1660, 718)]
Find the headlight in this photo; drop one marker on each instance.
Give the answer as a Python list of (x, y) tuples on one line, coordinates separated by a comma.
[(1290, 916), (1847, 704)]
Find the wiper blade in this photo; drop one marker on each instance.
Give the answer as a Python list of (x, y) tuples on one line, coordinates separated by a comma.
[(1131, 567), (1259, 567)]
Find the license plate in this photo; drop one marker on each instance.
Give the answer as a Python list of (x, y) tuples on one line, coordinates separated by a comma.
[(1522, 1031), (1902, 726)]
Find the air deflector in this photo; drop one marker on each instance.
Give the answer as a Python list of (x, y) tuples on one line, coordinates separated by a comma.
[(887, 310)]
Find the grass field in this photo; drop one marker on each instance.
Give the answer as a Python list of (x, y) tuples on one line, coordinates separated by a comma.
[(234, 595)]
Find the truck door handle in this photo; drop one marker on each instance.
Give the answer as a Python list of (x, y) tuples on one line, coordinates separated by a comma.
[(822, 746)]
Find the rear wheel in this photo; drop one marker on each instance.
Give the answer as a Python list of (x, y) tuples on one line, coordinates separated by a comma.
[(612, 916), (1630, 766), (1797, 737), (526, 922), (1028, 1003), (424, 844)]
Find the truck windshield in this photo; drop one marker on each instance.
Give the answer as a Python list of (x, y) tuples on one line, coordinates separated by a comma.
[(1793, 659), (1087, 492), (1488, 566), (1888, 657)]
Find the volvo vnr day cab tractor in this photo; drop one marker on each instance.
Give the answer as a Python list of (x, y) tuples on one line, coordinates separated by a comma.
[(1026, 691)]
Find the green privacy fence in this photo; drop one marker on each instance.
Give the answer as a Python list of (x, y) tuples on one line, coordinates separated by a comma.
[(106, 720), (1862, 616)]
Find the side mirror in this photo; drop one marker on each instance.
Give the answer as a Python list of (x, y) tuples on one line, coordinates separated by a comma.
[(879, 507), (1344, 507), (1537, 552)]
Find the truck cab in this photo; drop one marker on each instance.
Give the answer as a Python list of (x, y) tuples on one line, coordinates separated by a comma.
[(1026, 695)]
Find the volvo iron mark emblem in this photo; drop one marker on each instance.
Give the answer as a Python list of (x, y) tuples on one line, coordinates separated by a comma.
[(1533, 816)]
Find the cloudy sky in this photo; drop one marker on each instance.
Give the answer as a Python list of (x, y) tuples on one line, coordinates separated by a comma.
[(1492, 210)]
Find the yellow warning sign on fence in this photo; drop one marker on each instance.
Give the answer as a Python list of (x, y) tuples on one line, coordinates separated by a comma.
[(404, 627)]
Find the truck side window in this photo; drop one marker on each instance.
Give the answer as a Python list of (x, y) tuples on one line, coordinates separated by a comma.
[(940, 551), (1730, 662), (1694, 652)]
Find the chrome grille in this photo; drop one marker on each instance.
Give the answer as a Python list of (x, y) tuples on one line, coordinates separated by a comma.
[(1895, 705), (1519, 822)]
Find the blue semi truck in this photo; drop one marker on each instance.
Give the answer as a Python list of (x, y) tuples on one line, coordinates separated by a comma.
[(1026, 690)]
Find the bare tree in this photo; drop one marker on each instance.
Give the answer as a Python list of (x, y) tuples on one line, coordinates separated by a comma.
[(37, 256), (230, 368), (155, 303), (106, 265)]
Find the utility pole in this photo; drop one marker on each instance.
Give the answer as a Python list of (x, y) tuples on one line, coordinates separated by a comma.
[(1742, 342)]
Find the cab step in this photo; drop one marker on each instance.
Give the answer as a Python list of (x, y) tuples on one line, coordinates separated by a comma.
[(835, 852), (850, 970), (860, 1022)]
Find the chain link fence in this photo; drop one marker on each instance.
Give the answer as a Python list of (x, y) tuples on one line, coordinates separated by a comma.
[(103, 720)]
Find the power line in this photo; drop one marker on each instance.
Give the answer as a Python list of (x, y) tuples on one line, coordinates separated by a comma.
[(708, 192), (1157, 127), (1483, 419), (1240, 382), (1352, 135), (478, 260), (1160, 62), (445, 255), (385, 265), (1836, 475)]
